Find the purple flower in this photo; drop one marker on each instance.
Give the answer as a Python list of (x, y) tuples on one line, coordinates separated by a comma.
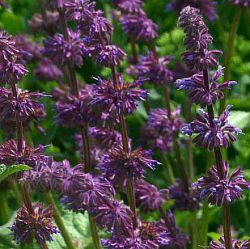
[(97, 29), (118, 167), (148, 197), (236, 244), (219, 191), (183, 200), (30, 156), (37, 22), (84, 191), (7, 47), (37, 225), (46, 71), (11, 72), (25, 106), (61, 51), (152, 69), (212, 133), (109, 55), (139, 27), (73, 111), (197, 40), (198, 92), (241, 3), (79, 10), (121, 97), (29, 50), (176, 239), (206, 7), (105, 138), (129, 6), (113, 216)]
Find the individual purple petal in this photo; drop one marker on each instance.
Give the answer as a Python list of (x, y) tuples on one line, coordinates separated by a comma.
[(236, 244)]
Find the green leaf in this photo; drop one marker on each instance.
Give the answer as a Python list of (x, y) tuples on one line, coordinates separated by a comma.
[(77, 225), (240, 119), (6, 171)]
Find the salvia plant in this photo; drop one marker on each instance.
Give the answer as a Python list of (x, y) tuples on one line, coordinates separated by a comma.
[(107, 141)]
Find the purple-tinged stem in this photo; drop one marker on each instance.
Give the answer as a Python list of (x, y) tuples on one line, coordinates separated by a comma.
[(134, 52), (180, 165), (219, 166), (229, 52), (83, 130), (125, 143)]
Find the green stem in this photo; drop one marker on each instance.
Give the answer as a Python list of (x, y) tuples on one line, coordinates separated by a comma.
[(169, 171), (17, 193), (94, 233), (229, 52), (227, 226), (195, 231), (204, 224), (58, 220), (4, 208)]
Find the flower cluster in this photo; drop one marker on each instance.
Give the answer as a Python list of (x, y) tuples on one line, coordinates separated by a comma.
[(206, 7), (139, 27), (184, 200), (152, 69), (11, 69), (128, 6), (148, 197), (199, 93), (241, 3), (38, 225), (161, 128), (236, 244), (197, 40), (219, 190), (62, 51), (119, 96), (30, 156), (118, 166), (25, 106), (213, 133)]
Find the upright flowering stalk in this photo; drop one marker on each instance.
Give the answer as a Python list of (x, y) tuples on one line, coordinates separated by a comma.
[(22, 107), (211, 132)]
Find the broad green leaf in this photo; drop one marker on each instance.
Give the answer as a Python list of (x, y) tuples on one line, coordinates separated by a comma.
[(240, 119), (77, 226), (6, 171)]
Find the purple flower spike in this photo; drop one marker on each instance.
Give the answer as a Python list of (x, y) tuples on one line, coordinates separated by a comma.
[(61, 51), (176, 239), (236, 244), (109, 55), (73, 111), (148, 197), (30, 156), (152, 69), (113, 216), (129, 6), (26, 106), (197, 41), (84, 191), (139, 27), (182, 200), (241, 3), (28, 226), (218, 134), (220, 191), (118, 167), (12, 72), (197, 91), (47, 71), (79, 10), (206, 7), (123, 97)]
